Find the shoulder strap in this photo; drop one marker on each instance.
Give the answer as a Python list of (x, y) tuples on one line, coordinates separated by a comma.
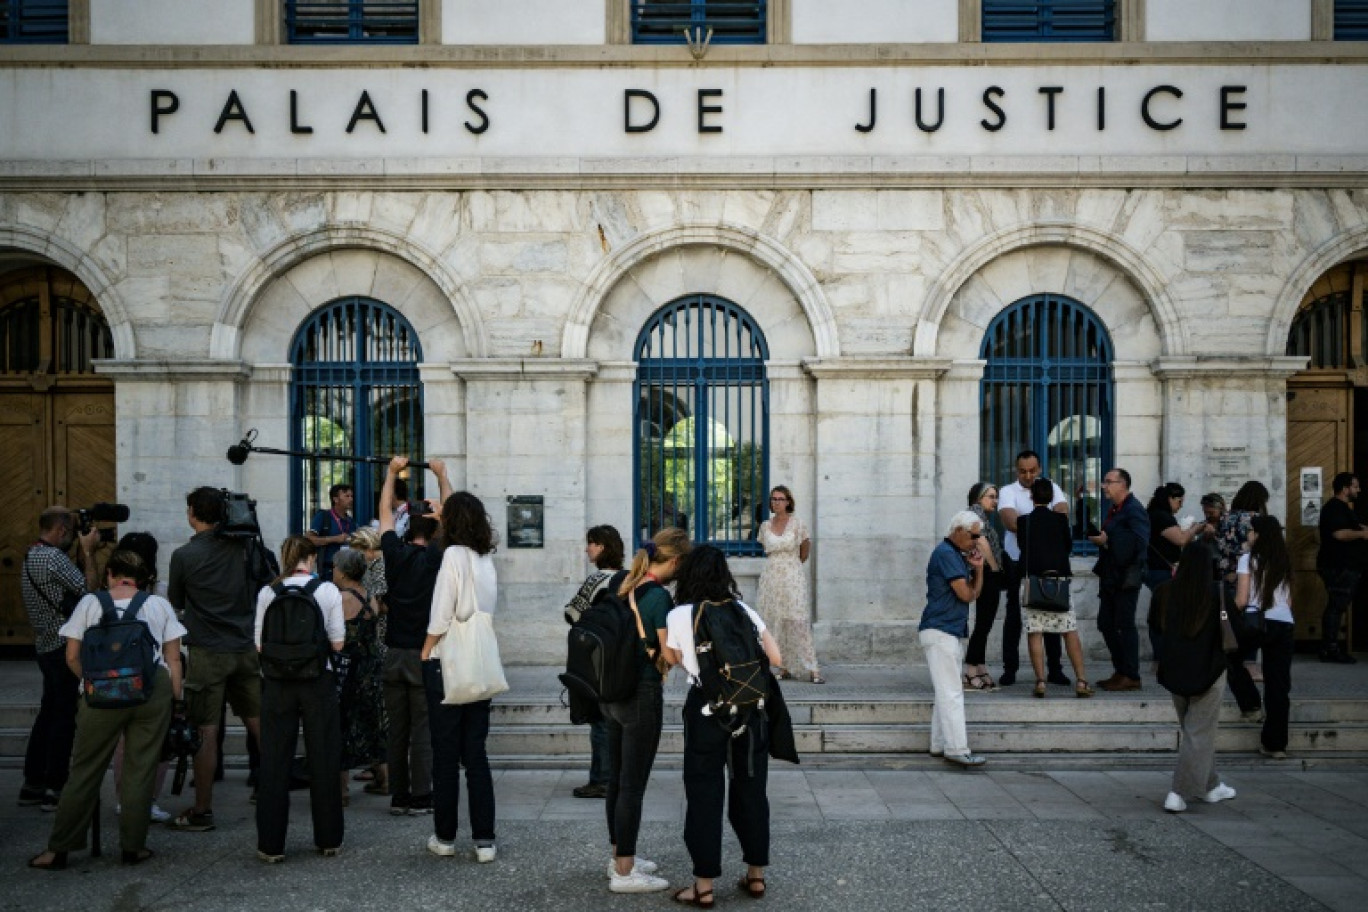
[(135, 603), (641, 629), (312, 586), (107, 607), (37, 588)]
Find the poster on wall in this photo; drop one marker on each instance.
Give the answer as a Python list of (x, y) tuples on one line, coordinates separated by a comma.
[(1312, 494), (525, 518)]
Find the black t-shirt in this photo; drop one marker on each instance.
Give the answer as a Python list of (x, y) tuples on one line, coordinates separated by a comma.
[(411, 574), (1334, 554), (1163, 554)]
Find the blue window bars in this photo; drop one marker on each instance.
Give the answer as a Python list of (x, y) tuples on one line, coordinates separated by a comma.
[(1048, 387), (351, 21), (1049, 20), (702, 424), (1351, 20), (667, 22), (33, 22), (354, 390)]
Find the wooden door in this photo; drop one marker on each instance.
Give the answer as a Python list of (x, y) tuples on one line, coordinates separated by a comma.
[(23, 474), (1319, 435)]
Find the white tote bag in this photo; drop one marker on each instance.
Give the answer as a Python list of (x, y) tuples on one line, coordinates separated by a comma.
[(471, 668)]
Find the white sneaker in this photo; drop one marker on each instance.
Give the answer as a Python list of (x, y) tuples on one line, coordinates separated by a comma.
[(485, 854), (438, 847), (637, 882), (644, 865), (160, 816), (1174, 803), (1221, 792)]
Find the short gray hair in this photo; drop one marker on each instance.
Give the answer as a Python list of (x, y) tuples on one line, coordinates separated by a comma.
[(964, 519), (351, 562)]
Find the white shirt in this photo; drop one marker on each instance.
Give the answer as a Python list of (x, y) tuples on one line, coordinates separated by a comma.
[(446, 602), (155, 612), (1282, 599), (679, 635), (1015, 497), (328, 598)]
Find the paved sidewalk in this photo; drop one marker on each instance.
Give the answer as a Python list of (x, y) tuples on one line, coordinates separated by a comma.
[(881, 839)]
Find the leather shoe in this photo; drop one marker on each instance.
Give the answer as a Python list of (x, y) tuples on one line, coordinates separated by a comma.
[(1059, 678), (1007, 678), (1121, 683), (1111, 679)]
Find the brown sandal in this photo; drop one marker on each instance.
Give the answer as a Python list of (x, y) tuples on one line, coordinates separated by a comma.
[(754, 887), (1083, 689), (702, 900)]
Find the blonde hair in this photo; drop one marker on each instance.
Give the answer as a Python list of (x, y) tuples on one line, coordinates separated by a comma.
[(665, 545), (366, 538), (294, 551)]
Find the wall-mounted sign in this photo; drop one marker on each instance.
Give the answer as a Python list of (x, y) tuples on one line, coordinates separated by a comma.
[(525, 517)]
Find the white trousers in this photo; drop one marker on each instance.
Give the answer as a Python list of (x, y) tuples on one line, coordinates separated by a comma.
[(944, 654)]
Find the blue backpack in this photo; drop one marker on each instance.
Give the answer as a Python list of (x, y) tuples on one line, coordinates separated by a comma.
[(118, 657)]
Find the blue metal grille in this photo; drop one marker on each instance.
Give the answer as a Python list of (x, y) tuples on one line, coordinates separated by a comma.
[(33, 21), (1318, 331), (78, 334), (1351, 20), (1049, 20), (702, 424), (1048, 387), (355, 391), (667, 22), (351, 21)]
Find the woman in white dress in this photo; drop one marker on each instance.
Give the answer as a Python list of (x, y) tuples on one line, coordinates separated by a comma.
[(784, 600)]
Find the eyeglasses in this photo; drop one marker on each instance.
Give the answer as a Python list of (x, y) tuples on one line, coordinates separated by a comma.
[(975, 535)]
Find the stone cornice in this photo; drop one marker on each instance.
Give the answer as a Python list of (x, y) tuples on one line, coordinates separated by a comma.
[(155, 370), (1217, 368), (514, 369), (877, 367), (524, 57)]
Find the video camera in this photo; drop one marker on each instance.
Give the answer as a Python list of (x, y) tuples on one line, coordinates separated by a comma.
[(239, 516), (86, 517), (181, 744)]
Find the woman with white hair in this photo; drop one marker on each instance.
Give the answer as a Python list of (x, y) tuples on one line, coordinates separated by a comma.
[(954, 579)]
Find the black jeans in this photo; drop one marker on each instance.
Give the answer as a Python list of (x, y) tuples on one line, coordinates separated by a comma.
[(459, 734), (1116, 620), (1277, 674), (284, 706), (1339, 585), (47, 761), (985, 612), (633, 737), (1011, 626), (709, 753), (409, 749), (600, 770)]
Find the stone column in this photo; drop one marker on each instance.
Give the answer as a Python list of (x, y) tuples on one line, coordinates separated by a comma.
[(526, 434), (876, 504)]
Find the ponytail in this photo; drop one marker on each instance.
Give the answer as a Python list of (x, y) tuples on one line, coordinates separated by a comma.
[(666, 545), (294, 551)]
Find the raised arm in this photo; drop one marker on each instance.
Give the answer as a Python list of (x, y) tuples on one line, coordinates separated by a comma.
[(396, 465)]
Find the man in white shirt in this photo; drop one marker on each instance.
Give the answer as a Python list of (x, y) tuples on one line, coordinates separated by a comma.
[(1014, 501)]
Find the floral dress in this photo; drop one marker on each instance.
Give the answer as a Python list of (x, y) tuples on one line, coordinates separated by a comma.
[(784, 599), (365, 727)]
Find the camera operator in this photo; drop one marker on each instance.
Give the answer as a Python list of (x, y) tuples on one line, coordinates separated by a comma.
[(51, 585), (208, 586), (411, 569)]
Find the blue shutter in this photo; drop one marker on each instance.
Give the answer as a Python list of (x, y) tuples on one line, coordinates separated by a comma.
[(1048, 387), (701, 420), (354, 390), (1049, 20), (668, 21), (1351, 20), (351, 21), (33, 22)]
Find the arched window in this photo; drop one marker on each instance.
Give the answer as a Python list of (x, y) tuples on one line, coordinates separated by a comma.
[(50, 333), (1320, 331), (355, 391), (702, 423), (1048, 387)]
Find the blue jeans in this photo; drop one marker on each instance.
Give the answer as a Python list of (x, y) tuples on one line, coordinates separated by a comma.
[(459, 734), (600, 765), (633, 737)]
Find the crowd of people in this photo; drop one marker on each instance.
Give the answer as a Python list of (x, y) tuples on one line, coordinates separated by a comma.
[(345, 642)]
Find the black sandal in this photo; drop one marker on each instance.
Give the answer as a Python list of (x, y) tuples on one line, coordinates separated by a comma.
[(754, 887), (702, 900), (58, 862), (138, 857)]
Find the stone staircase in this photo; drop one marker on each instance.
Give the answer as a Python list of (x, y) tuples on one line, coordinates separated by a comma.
[(881, 714)]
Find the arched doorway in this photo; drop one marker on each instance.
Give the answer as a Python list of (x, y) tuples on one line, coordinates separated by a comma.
[(56, 416), (354, 390), (1327, 429)]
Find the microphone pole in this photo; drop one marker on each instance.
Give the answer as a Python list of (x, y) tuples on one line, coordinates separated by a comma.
[(238, 453)]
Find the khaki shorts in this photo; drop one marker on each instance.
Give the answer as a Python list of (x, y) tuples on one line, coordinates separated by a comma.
[(210, 676)]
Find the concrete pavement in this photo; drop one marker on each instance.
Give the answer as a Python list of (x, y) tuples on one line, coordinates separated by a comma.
[(874, 839)]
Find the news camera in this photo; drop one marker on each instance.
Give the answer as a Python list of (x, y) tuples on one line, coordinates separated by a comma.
[(239, 516), (86, 517), (181, 744)]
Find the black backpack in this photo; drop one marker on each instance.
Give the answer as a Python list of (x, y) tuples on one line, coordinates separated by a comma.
[(294, 641), (732, 666), (118, 656), (604, 651)]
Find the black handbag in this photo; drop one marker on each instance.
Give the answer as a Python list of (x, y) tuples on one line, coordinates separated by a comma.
[(1247, 624), (1046, 592)]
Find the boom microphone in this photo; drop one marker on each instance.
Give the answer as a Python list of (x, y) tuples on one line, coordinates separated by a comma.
[(109, 512), (238, 453)]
